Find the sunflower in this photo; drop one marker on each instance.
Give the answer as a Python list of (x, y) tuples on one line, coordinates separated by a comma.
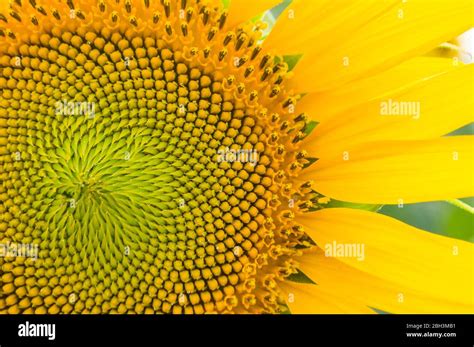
[(183, 157)]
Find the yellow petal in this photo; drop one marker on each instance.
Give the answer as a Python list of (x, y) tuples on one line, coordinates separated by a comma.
[(392, 172), (345, 281), (243, 10), (403, 31), (428, 109), (304, 298), (310, 26), (410, 260), (323, 106)]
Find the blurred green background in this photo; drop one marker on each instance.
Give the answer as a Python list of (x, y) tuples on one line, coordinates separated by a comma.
[(438, 217)]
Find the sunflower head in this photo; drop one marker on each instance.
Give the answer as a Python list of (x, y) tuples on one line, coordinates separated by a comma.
[(160, 157), (151, 150)]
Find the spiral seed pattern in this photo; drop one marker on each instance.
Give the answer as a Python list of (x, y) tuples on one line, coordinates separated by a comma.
[(113, 117)]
